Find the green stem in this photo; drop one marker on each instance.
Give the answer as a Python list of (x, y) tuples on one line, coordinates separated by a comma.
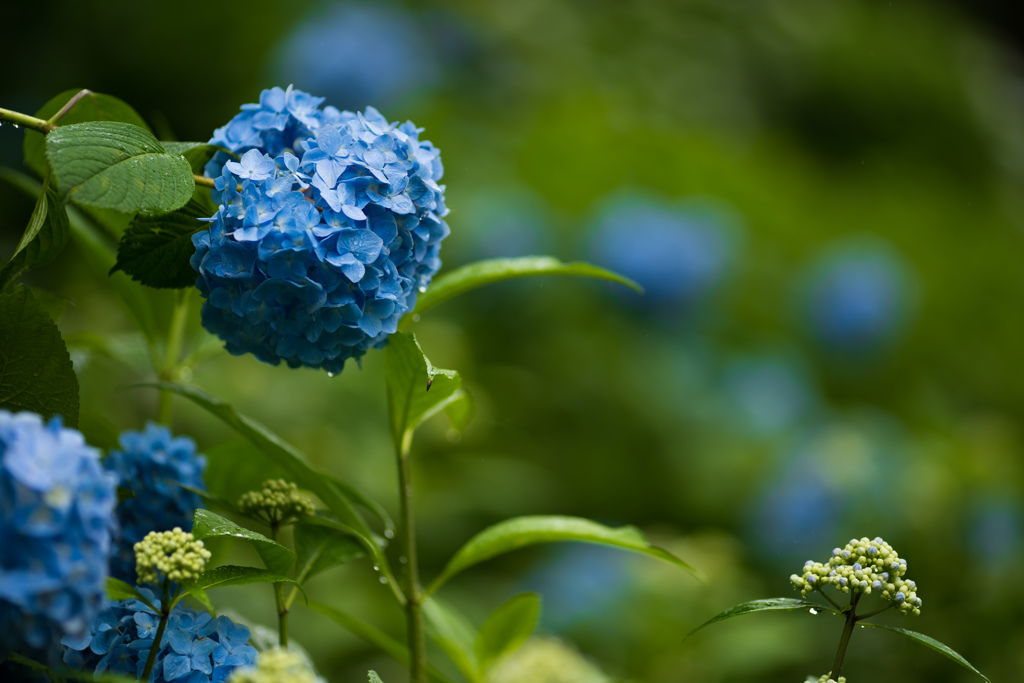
[(173, 352), (829, 598), (844, 641), (414, 614), (164, 614), (67, 107), (204, 181), (25, 121), (282, 606)]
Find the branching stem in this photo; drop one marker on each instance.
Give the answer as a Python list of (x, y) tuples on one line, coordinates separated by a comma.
[(67, 107), (25, 121), (282, 606), (844, 640)]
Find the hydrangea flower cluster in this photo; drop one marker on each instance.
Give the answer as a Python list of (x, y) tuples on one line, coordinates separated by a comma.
[(152, 463), (863, 566), (328, 228), (276, 666), (56, 517), (195, 648), (174, 554), (276, 502)]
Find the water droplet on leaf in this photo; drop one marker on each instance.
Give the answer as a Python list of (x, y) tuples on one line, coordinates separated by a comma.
[(813, 611), (383, 580)]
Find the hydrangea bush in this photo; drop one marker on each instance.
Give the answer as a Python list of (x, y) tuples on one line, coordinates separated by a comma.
[(312, 238), (329, 227), (156, 464), (56, 505)]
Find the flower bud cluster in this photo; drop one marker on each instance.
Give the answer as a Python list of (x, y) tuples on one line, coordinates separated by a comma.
[(863, 566), (277, 666), (826, 679), (174, 554), (277, 501)]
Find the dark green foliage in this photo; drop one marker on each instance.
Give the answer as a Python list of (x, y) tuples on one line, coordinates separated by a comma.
[(155, 250)]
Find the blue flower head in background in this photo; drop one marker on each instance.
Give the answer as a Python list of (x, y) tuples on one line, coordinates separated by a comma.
[(152, 463), (358, 53), (767, 393), (506, 223), (678, 251), (56, 518), (856, 297), (195, 647), (329, 226)]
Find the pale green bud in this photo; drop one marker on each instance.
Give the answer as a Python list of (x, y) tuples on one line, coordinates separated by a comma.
[(175, 555)]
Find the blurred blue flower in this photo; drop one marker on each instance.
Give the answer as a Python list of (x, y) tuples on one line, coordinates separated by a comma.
[(358, 53), (580, 583), (195, 647), (317, 263), (152, 463), (995, 530), (506, 223), (677, 251), (856, 296), (56, 519), (767, 393)]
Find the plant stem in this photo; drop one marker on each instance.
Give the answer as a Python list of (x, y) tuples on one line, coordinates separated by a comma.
[(851, 619), (26, 121), (173, 352), (67, 106), (204, 181), (164, 614), (414, 615), (282, 606)]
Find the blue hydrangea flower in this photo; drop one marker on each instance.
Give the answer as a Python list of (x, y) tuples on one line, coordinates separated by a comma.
[(152, 463), (314, 262), (357, 53), (678, 252), (195, 648), (56, 519), (856, 297)]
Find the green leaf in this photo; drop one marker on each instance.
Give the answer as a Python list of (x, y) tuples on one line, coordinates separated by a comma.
[(99, 257), (44, 237), (485, 272), (155, 250), (123, 494), (35, 369), (520, 532), (196, 153), (507, 628), (767, 605), (929, 643), (460, 410), (416, 389), (454, 634), (319, 548), (92, 107), (200, 595), (118, 166), (119, 590), (374, 636), (292, 461), (277, 558), (233, 575)]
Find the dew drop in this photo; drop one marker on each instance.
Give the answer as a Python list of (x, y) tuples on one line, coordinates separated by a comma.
[(416, 318), (402, 560), (813, 611), (388, 533), (422, 289), (376, 568), (330, 374), (383, 580)]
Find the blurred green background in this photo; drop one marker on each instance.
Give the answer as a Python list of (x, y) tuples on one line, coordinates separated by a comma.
[(824, 202)]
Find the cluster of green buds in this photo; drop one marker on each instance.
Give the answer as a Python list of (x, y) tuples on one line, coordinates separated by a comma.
[(278, 501), (277, 666), (826, 679), (866, 567), (174, 554)]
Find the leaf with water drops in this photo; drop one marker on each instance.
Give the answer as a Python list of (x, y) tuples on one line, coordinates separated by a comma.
[(196, 153), (155, 250), (318, 548), (930, 643), (93, 107), (275, 556), (766, 605), (118, 166)]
